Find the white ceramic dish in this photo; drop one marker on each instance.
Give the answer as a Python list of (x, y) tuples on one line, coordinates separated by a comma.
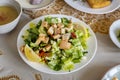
[(114, 28), (10, 26), (114, 72), (92, 47), (26, 5), (83, 6)]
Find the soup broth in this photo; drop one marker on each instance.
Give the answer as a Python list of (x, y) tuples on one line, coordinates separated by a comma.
[(7, 14)]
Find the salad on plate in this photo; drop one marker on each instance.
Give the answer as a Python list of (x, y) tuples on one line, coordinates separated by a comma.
[(56, 42)]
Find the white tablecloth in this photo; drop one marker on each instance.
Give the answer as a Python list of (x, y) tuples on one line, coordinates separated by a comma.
[(107, 56)]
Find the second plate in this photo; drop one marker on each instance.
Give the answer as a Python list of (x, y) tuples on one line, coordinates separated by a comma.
[(84, 7)]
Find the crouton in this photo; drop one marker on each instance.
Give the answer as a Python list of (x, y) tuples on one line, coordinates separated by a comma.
[(54, 26), (40, 38), (48, 47), (60, 25), (50, 31), (38, 41), (46, 40), (57, 36), (65, 45), (57, 30), (45, 24), (66, 36)]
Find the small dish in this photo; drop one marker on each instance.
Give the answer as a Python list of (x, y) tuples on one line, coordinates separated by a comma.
[(83, 6), (92, 47), (114, 28), (26, 4), (5, 28), (113, 72)]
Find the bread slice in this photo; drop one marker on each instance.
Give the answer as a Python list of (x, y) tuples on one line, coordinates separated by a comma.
[(98, 3)]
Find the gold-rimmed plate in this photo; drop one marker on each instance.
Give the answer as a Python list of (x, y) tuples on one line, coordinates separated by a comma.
[(84, 7)]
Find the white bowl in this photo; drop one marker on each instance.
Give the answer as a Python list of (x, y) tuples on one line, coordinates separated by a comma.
[(113, 72), (26, 4), (113, 32), (10, 26), (92, 47)]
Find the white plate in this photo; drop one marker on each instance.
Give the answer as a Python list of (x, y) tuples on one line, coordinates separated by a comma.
[(25, 4), (92, 47), (114, 72), (114, 28), (83, 6)]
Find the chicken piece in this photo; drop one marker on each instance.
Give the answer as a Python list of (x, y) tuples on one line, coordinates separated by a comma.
[(57, 36), (38, 41), (50, 31), (63, 31), (60, 25), (57, 30), (66, 36), (54, 26), (40, 38), (45, 24), (46, 40), (65, 44), (48, 47)]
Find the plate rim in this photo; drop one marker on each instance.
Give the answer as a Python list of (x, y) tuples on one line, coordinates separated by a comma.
[(87, 62)]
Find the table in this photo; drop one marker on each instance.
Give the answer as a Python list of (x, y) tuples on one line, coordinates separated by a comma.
[(107, 56)]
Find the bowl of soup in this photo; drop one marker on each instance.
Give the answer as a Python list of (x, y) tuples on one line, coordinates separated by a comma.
[(10, 12)]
